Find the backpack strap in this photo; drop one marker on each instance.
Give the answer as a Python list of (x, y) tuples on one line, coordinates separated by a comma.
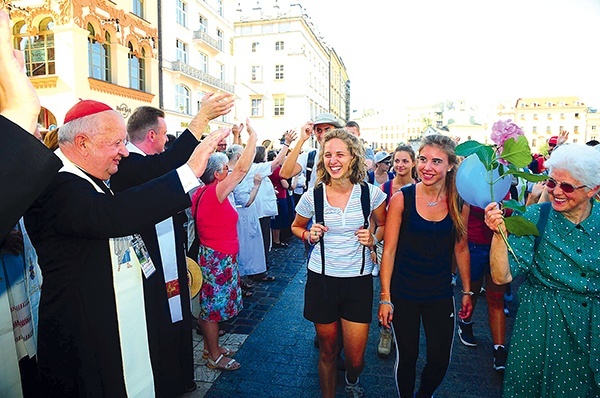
[(320, 219), (387, 188), (371, 176), (541, 224), (310, 163), (365, 202)]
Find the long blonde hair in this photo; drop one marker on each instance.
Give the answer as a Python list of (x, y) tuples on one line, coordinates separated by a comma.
[(455, 203)]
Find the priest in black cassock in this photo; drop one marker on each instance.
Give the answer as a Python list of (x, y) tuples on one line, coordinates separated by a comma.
[(166, 293), (93, 339), (26, 164)]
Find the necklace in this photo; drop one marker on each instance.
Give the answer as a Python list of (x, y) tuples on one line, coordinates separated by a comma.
[(434, 203)]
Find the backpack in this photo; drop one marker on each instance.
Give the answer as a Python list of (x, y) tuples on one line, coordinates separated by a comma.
[(310, 162), (365, 201)]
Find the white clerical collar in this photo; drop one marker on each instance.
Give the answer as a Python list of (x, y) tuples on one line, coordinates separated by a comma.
[(134, 149)]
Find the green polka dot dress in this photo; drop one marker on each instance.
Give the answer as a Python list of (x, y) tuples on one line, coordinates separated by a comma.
[(555, 345)]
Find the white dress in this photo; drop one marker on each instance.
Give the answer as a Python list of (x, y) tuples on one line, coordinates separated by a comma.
[(251, 258)]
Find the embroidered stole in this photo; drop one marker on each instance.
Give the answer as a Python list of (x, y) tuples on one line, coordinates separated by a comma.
[(129, 298), (20, 281), (165, 231)]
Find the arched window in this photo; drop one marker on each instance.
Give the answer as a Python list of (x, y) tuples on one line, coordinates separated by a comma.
[(99, 55), (137, 70), (182, 99), (38, 50)]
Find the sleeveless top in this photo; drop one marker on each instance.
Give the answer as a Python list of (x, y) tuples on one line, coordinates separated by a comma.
[(423, 262)]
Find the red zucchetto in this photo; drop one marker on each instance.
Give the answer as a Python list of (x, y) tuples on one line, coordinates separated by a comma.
[(85, 108)]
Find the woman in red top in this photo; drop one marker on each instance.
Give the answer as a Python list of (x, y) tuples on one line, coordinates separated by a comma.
[(216, 220)]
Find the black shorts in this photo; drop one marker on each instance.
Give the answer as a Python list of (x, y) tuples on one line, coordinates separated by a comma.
[(329, 298)]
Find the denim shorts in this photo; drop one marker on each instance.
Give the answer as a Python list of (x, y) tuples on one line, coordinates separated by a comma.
[(480, 260)]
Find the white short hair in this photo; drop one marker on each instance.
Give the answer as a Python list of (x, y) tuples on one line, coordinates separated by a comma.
[(581, 161)]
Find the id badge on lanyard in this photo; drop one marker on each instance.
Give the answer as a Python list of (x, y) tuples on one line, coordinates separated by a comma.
[(142, 255)]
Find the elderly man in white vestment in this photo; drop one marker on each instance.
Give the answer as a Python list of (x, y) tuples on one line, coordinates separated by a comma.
[(93, 339)]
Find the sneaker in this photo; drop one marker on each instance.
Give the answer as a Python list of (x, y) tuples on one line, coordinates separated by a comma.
[(354, 390), (454, 279), (465, 333), (500, 355), (385, 342)]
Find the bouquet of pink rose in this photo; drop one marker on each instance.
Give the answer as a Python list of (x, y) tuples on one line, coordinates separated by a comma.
[(489, 168)]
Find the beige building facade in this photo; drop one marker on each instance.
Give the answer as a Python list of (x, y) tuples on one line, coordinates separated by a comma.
[(544, 117), (88, 49), (285, 73), (196, 58)]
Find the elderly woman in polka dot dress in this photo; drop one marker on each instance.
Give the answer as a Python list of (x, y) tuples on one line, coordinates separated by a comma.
[(555, 346)]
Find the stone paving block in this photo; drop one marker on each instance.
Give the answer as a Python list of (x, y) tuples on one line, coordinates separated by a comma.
[(279, 360)]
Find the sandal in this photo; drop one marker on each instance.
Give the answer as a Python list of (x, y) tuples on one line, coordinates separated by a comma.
[(247, 285), (227, 353), (231, 364)]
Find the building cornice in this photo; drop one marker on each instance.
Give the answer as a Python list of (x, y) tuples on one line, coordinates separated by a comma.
[(42, 82), (120, 91)]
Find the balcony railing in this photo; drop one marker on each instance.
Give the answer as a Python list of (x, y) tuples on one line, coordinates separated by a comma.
[(201, 76), (202, 35)]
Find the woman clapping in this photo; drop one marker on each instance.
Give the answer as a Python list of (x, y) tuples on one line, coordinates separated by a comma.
[(216, 220)]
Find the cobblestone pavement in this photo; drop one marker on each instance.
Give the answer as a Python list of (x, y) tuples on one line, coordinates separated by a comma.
[(279, 360)]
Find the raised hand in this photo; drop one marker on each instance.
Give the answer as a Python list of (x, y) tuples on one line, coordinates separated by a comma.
[(563, 136), (199, 157), (290, 136), (249, 128), (213, 105), (306, 131), (18, 100)]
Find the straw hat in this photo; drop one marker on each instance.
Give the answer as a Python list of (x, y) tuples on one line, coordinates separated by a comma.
[(194, 277)]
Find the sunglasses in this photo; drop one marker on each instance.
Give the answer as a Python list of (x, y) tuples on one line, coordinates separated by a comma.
[(566, 188), (322, 130)]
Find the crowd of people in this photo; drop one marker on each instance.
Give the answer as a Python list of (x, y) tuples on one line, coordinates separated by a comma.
[(94, 251)]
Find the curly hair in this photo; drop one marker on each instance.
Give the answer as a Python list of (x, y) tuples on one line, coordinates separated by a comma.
[(582, 162), (357, 169), (455, 203)]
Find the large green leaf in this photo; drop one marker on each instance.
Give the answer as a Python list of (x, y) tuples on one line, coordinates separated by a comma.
[(528, 176), (513, 205), (519, 226), (468, 148), (485, 153), (487, 156), (517, 152)]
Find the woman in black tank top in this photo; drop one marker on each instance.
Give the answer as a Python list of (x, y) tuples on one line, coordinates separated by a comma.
[(426, 230)]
